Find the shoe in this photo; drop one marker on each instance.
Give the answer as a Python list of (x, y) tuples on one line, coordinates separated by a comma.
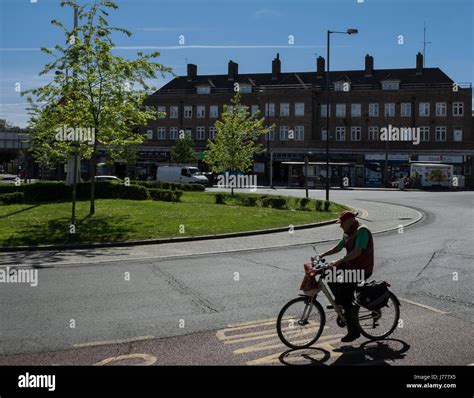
[(353, 329)]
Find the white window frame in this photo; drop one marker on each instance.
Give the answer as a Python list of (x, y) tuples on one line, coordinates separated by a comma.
[(203, 89), (389, 109), (441, 109), (245, 88), (458, 109), (201, 111), (454, 135), (161, 133), (200, 133), (390, 85), (174, 112), (355, 130), (270, 109), (173, 133), (299, 133), (271, 135), (440, 132), (188, 112), (323, 134), (356, 110), (214, 111), (212, 132), (299, 108), (424, 109), (405, 109), (161, 108), (340, 133), (374, 109), (284, 133), (324, 110), (284, 109), (340, 110), (373, 133), (425, 133)]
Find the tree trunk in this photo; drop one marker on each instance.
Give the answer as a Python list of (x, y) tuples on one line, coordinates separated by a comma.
[(93, 172)]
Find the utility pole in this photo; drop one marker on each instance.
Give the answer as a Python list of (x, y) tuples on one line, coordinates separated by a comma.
[(424, 43)]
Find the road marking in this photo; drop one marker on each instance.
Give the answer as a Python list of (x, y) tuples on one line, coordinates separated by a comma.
[(97, 343), (426, 307), (148, 359)]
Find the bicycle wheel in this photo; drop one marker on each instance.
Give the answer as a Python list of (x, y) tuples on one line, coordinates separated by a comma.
[(378, 324), (300, 322)]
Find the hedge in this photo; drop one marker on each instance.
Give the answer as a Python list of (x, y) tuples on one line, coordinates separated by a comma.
[(220, 198), (249, 201), (13, 197), (166, 195), (277, 202)]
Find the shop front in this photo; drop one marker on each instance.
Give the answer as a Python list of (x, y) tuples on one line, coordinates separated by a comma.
[(397, 165)]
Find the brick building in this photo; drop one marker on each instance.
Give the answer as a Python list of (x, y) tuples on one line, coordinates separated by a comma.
[(362, 102)]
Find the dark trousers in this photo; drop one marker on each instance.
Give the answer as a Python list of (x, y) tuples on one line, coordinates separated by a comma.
[(343, 293)]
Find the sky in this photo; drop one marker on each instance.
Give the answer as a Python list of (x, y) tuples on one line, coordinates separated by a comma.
[(249, 32)]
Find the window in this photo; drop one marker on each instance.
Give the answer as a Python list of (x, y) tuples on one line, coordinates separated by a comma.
[(424, 109), (284, 109), (299, 133), (149, 135), (405, 110), (204, 89), (162, 133), (356, 110), (283, 133), (457, 134), (390, 110), (270, 109), (340, 133), (188, 112), (324, 110), (173, 133), (374, 110), (458, 108), (425, 133), (441, 109), (254, 109), (323, 134), (162, 112), (390, 85), (173, 112), (340, 110), (201, 111), (200, 131), (245, 88), (212, 132), (271, 135), (213, 111), (299, 108), (355, 133), (373, 133), (229, 108), (440, 133), (342, 86)]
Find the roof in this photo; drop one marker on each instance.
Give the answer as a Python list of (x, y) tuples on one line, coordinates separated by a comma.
[(429, 75)]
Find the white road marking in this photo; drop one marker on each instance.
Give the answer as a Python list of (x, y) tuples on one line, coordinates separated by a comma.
[(426, 307), (97, 343)]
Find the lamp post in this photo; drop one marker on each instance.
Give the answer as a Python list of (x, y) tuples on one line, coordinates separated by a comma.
[(75, 148), (328, 82), (306, 158)]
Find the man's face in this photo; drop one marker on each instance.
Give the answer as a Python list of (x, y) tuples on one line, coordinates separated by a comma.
[(347, 224)]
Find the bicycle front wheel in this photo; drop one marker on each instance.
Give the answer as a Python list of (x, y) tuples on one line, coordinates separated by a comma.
[(379, 324), (300, 322)]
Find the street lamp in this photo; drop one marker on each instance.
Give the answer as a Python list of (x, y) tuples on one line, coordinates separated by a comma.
[(328, 82), (306, 158)]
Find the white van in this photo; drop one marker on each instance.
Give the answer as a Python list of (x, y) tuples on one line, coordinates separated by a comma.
[(180, 174)]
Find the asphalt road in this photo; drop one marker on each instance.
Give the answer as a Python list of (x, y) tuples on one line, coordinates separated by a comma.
[(178, 310)]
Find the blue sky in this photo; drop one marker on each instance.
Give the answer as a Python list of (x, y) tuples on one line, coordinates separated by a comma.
[(250, 32)]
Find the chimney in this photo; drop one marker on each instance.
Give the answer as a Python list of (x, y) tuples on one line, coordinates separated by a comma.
[(320, 66), (419, 63), (369, 65), (233, 70), (276, 67), (192, 72)]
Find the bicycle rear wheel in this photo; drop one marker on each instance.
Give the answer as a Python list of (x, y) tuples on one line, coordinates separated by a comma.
[(379, 324), (300, 322)]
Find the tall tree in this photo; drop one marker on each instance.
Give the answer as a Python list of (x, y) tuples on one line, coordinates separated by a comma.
[(183, 152), (235, 142), (92, 88)]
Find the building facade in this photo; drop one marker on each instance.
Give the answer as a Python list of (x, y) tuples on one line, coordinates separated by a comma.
[(367, 107)]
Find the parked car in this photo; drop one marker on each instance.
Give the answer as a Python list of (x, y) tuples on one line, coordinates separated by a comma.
[(181, 174), (107, 178), (8, 178)]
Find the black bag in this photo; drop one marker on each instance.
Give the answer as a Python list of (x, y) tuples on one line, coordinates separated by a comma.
[(373, 295)]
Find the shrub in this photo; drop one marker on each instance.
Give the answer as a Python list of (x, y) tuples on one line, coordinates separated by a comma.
[(319, 205), (278, 202), (250, 201), (327, 204), (14, 197), (9, 188), (171, 185), (266, 201), (304, 202), (46, 191), (220, 199), (166, 195)]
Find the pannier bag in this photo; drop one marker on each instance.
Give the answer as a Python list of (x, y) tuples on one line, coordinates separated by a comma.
[(309, 284), (373, 295)]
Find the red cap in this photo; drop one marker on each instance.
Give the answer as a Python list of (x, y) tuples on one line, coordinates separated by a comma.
[(345, 215)]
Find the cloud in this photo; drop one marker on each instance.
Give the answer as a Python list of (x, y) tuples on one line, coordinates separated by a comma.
[(266, 13)]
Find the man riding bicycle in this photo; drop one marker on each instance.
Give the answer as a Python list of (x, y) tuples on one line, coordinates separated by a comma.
[(359, 245)]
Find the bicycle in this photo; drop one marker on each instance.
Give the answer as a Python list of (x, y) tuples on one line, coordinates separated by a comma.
[(294, 322)]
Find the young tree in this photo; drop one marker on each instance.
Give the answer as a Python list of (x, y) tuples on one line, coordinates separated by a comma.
[(92, 88), (235, 140), (183, 152)]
